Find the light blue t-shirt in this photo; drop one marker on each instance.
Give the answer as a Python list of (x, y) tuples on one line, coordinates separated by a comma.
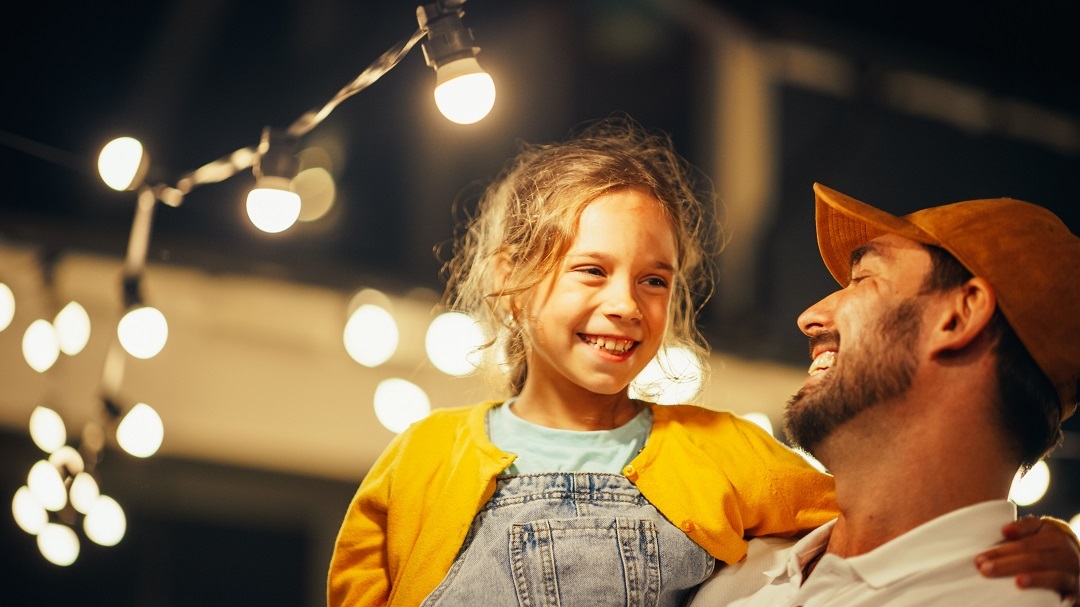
[(541, 449)]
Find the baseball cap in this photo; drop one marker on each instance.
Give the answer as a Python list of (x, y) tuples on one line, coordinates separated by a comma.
[(1024, 251)]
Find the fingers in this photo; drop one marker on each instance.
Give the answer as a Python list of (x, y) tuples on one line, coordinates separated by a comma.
[(1025, 526), (1059, 582)]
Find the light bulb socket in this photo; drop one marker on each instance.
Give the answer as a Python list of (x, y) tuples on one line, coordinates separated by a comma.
[(448, 38), (277, 155), (131, 286)]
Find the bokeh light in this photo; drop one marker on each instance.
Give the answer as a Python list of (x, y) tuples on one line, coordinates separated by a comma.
[(371, 335), (40, 345), (47, 486), (105, 524), (453, 343), (1031, 487), (140, 431), (120, 162), (84, 492), (47, 429), (7, 306), (58, 544), (72, 328), (29, 514), (399, 403), (143, 332)]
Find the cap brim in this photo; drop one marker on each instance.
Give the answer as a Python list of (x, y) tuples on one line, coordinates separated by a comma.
[(845, 224)]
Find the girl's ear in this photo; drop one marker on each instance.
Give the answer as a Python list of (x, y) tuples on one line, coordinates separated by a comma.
[(967, 312)]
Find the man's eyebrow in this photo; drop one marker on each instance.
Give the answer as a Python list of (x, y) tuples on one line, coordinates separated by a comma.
[(869, 248)]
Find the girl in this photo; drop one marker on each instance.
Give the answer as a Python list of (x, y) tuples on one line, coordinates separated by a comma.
[(586, 258)]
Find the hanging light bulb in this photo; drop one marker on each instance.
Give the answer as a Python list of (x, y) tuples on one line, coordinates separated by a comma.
[(84, 492), (47, 486), (105, 524), (72, 328), (29, 514), (371, 335), (58, 544), (464, 92), (140, 432), (143, 331), (40, 345), (47, 429), (453, 343), (272, 205), (7, 306), (122, 164)]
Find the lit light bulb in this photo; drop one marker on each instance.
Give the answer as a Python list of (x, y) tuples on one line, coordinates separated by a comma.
[(47, 486), (453, 343), (140, 432), (122, 163), (1031, 487), (1074, 523), (371, 335), (464, 92), (272, 206), (67, 460), (40, 345), (84, 492), (143, 332), (58, 544), (47, 429), (72, 328), (7, 306), (674, 376), (399, 403), (105, 524), (29, 514)]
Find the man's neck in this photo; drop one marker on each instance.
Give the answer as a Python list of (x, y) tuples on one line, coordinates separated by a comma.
[(918, 472)]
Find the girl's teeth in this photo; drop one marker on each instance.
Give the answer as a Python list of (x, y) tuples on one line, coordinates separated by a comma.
[(823, 362), (617, 346)]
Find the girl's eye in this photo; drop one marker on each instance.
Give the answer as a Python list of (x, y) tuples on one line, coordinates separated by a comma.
[(595, 271), (656, 281)]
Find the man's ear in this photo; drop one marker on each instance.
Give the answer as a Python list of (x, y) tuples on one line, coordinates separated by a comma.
[(966, 312)]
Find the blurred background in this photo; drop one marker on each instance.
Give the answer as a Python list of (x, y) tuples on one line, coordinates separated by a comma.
[(269, 420)]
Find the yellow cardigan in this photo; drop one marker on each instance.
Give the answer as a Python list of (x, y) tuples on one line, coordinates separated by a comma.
[(713, 474)]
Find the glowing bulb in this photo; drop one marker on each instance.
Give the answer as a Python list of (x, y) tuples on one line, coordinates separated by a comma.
[(29, 514), (7, 306), (1074, 523), (399, 403), (143, 332), (140, 432), (1031, 487), (272, 206), (72, 328), (371, 335), (47, 429), (120, 162), (84, 492), (40, 345), (464, 92), (105, 524), (67, 460), (58, 544), (47, 487), (672, 377), (453, 343)]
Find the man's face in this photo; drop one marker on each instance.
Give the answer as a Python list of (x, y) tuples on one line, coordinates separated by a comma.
[(877, 318)]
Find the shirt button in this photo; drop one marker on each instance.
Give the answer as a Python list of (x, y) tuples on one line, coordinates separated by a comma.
[(688, 526), (630, 472)]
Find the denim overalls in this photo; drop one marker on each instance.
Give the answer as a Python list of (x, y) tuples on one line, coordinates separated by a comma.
[(570, 539)]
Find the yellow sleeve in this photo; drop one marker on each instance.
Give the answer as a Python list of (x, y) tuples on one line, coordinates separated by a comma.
[(788, 495), (360, 567)]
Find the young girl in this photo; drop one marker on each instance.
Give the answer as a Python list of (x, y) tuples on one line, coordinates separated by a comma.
[(586, 258)]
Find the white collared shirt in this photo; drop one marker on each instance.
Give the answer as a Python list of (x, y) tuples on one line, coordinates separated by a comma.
[(933, 564)]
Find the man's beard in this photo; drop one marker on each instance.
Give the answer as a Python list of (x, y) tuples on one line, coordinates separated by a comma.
[(881, 370)]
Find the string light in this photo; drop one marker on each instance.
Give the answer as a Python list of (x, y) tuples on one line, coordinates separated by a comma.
[(64, 486)]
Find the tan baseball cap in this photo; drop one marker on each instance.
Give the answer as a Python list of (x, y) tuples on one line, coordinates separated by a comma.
[(1024, 251)]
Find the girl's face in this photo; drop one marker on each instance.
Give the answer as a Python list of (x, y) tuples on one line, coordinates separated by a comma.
[(601, 316)]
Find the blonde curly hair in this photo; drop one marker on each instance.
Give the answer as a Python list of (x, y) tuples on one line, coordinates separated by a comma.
[(527, 219)]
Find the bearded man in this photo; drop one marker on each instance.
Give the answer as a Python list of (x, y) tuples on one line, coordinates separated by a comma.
[(946, 362)]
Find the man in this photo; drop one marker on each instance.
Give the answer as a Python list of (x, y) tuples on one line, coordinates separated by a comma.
[(945, 364)]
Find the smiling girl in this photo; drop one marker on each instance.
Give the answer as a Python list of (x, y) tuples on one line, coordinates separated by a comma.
[(586, 259)]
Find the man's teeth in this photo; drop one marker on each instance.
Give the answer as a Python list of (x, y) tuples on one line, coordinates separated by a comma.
[(823, 362), (611, 344)]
